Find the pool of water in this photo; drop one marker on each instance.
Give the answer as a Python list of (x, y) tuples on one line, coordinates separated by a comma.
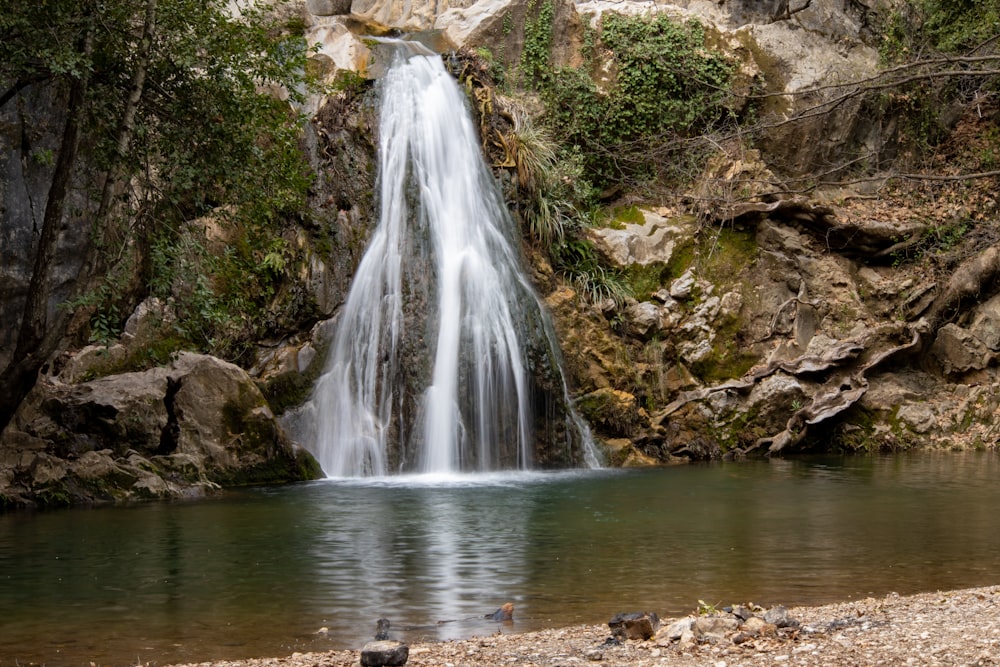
[(259, 572)]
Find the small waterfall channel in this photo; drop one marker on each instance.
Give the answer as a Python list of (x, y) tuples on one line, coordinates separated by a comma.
[(442, 347)]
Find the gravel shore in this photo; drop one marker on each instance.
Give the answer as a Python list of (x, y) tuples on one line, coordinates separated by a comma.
[(944, 628)]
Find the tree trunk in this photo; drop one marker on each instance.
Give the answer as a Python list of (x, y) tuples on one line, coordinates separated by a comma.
[(113, 181)]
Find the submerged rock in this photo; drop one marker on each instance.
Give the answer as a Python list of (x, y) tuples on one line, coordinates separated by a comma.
[(504, 613)]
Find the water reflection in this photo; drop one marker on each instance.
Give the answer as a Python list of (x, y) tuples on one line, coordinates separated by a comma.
[(451, 553), (259, 572)]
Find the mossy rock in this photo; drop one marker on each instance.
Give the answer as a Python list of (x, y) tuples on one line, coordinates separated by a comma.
[(612, 411)]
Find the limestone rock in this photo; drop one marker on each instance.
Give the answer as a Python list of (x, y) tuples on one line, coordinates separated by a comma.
[(958, 351), (773, 399), (654, 241), (695, 351), (91, 361), (195, 424), (384, 653), (643, 320), (681, 288), (148, 323), (675, 630), (634, 625), (610, 409), (339, 48), (986, 324), (328, 7), (714, 628), (779, 616), (756, 626), (919, 417)]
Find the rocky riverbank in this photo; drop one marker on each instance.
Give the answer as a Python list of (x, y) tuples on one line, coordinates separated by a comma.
[(942, 628)]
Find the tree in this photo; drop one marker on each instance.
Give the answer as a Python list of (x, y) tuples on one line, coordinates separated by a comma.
[(167, 100)]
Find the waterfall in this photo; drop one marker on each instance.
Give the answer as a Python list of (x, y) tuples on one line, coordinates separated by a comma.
[(429, 369)]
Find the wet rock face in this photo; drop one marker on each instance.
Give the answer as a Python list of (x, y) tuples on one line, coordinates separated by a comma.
[(30, 130), (178, 430)]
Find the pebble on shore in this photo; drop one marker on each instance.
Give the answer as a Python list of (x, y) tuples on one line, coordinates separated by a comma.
[(943, 628)]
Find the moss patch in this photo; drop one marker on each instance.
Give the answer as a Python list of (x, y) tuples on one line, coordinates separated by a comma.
[(614, 412), (645, 280), (729, 358), (725, 254)]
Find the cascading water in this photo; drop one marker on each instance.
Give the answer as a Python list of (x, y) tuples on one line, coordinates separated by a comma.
[(438, 307)]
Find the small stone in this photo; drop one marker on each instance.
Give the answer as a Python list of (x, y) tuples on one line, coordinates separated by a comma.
[(779, 617), (382, 629), (677, 628), (384, 653), (755, 626), (681, 288), (741, 612), (634, 625), (714, 628)]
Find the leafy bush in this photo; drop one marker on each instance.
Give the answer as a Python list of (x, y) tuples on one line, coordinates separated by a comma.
[(958, 25), (667, 85)]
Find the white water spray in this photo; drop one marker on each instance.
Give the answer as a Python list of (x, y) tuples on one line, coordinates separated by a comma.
[(444, 241)]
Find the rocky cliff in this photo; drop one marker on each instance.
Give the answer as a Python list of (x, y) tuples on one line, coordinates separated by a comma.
[(767, 321)]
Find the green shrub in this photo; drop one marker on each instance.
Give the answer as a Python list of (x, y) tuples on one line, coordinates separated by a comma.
[(667, 85)]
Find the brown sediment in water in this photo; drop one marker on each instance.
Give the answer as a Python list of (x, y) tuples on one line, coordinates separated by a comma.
[(942, 628)]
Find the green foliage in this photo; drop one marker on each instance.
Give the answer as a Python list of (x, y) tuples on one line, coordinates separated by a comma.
[(552, 187), (726, 253), (537, 44), (209, 135), (45, 157), (706, 609), (619, 216), (954, 26), (666, 80), (225, 293), (349, 81), (937, 239), (945, 26), (644, 280), (577, 260), (667, 85)]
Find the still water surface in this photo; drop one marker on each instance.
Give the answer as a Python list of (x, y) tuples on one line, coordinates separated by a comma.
[(258, 572)]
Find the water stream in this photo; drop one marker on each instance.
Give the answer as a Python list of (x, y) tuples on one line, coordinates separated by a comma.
[(258, 572), (429, 369)]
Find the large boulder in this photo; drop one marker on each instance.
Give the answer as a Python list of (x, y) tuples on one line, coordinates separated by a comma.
[(654, 240), (192, 426)]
